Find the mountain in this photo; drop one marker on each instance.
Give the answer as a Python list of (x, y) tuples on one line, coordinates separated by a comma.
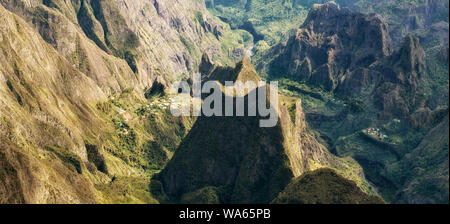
[(324, 186), (330, 42), (229, 158), (85, 108), (272, 21), (347, 52), (267, 21), (155, 38), (403, 17), (80, 110), (363, 96), (45, 101), (424, 171)]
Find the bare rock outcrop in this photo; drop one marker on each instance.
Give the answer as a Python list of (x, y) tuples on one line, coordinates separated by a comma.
[(243, 162), (350, 53), (331, 42)]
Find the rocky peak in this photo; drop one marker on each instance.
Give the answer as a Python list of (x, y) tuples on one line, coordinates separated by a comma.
[(206, 64), (237, 155), (354, 29), (320, 13), (346, 51), (411, 55), (243, 71), (331, 42), (246, 71), (397, 79)]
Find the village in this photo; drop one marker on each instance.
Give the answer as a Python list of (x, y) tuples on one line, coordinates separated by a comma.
[(375, 133)]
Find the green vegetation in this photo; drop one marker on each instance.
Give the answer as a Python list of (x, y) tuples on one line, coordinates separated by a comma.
[(143, 135), (127, 190), (149, 143), (68, 158), (188, 44), (342, 124), (206, 195), (267, 21), (96, 157), (85, 131), (104, 24), (324, 186), (424, 170)]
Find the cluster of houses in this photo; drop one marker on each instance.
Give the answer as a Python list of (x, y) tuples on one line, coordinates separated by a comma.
[(375, 132), (163, 105)]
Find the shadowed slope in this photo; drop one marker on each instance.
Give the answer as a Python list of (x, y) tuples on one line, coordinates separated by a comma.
[(324, 186), (240, 162)]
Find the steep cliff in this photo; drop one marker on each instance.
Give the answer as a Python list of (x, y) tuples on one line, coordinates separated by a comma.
[(331, 42), (153, 38), (46, 110), (404, 17), (74, 120), (366, 98), (393, 81), (239, 161), (351, 53)]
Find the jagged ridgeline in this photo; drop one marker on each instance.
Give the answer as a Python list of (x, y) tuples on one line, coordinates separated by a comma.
[(85, 116), (348, 52), (234, 160), (75, 125), (154, 38), (371, 98), (270, 20)]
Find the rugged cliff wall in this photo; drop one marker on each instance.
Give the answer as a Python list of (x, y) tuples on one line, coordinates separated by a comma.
[(73, 114), (331, 42), (239, 161), (404, 17), (44, 102), (349, 52), (154, 38)]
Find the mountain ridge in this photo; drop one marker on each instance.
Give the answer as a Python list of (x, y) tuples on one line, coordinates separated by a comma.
[(238, 155)]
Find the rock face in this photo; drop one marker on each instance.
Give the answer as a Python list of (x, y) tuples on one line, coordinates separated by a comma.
[(242, 162), (111, 40), (392, 81), (404, 17), (44, 102), (351, 53), (331, 42), (63, 63), (420, 18), (397, 91)]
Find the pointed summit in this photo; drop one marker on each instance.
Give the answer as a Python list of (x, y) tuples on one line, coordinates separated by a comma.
[(246, 71), (236, 160), (243, 71), (206, 65)]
